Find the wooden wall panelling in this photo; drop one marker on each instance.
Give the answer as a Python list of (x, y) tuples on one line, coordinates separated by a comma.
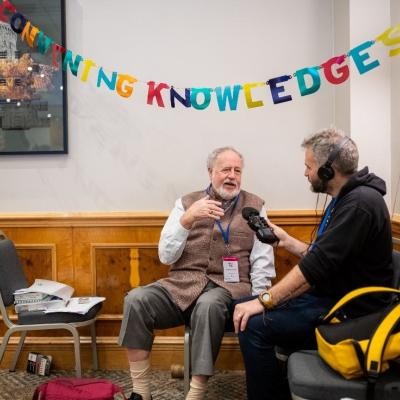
[(396, 231), (26, 234), (38, 261), (119, 267), (107, 254), (299, 224), (85, 237)]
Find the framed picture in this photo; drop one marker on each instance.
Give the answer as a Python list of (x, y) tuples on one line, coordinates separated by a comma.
[(33, 93)]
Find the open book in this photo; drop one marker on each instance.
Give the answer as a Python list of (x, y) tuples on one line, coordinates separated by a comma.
[(79, 305)]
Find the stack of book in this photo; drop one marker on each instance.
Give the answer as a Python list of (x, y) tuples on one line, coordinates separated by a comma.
[(51, 296), (38, 364), (42, 295), (36, 301)]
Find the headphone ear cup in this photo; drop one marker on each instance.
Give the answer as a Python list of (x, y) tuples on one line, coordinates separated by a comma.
[(326, 172)]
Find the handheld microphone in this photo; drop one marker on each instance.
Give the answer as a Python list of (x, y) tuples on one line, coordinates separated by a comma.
[(259, 225)]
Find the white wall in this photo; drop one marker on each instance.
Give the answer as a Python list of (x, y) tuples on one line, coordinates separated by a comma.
[(341, 13), (395, 82), (127, 155), (370, 94)]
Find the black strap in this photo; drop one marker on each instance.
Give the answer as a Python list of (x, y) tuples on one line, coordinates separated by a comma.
[(361, 359), (360, 355), (371, 389)]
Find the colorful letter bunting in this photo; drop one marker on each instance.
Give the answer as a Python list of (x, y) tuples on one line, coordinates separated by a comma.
[(183, 100), (275, 89), (194, 98), (227, 94), (109, 82), (335, 70), (360, 59), (343, 71), (387, 40), (155, 92), (312, 72)]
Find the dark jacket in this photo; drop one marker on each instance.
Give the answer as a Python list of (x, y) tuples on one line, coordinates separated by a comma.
[(355, 250)]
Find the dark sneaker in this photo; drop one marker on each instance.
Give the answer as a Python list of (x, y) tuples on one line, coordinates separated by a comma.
[(135, 396)]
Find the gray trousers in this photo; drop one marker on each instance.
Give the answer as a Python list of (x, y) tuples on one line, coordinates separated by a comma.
[(151, 307)]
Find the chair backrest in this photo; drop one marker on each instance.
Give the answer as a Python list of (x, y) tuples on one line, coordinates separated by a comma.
[(11, 272), (396, 268)]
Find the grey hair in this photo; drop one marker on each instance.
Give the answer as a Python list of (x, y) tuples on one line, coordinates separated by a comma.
[(215, 153), (324, 142)]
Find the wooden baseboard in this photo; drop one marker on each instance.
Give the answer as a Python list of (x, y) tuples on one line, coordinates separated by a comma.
[(166, 352)]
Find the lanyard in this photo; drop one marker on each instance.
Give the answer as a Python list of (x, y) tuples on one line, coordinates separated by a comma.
[(327, 216), (325, 220), (225, 234)]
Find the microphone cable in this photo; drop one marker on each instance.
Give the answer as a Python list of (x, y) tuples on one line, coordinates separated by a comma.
[(395, 196), (316, 218)]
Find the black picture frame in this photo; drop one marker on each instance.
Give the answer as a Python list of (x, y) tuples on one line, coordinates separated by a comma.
[(33, 103)]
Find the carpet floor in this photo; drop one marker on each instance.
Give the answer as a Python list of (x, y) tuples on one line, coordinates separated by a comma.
[(223, 385)]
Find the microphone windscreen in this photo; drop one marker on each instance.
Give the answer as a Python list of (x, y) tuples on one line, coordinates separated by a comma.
[(248, 212)]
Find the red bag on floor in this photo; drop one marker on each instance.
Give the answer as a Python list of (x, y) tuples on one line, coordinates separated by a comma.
[(77, 389)]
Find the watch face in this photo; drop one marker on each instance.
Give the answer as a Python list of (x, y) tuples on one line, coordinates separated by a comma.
[(266, 297)]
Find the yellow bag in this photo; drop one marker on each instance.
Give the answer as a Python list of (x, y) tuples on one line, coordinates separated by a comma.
[(360, 346)]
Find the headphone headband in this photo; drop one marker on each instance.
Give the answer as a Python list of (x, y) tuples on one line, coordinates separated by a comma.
[(335, 152), (325, 171)]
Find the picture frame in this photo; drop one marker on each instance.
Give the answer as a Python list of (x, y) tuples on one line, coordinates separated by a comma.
[(33, 92)]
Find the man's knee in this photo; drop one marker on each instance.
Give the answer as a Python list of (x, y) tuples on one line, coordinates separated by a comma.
[(210, 307), (259, 332), (136, 299)]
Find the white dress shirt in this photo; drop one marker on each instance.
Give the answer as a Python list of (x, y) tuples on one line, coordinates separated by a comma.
[(173, 240)]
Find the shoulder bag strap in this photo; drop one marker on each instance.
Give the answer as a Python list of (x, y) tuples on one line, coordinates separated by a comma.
[(377, 344), (357, 293)]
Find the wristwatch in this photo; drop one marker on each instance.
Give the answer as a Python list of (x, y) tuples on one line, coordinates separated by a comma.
[(265, 299)]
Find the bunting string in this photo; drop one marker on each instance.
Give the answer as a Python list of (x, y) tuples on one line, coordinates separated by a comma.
[(335, 71)]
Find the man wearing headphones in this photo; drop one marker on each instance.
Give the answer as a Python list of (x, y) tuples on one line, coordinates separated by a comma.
[(352, 249)]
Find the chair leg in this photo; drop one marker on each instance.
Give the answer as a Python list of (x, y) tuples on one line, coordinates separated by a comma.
[(18, 351), (186, 361), (77, 344), (4, 343), (94, 346)]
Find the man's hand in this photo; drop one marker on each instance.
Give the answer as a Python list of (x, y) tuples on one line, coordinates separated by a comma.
[(243, 311), (292, 245), (203, 208), (281, 234)]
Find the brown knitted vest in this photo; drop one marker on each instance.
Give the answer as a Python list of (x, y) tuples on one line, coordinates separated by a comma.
[(201, 260)]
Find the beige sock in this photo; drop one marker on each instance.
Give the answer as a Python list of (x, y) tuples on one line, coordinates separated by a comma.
[(197, 390), (140, 373)]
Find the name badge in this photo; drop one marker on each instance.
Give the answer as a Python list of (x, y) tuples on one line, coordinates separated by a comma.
[(231, 269)]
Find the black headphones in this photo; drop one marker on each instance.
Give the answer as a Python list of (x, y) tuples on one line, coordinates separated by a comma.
[(325, 171)]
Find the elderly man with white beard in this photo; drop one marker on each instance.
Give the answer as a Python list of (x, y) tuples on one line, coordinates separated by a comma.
[(215, 257)]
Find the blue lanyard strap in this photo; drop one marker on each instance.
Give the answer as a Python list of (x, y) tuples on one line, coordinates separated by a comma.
[(326, 217), (325, 220), (225, 234)]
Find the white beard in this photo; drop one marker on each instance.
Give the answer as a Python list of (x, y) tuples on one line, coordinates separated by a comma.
[(227, 195)]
